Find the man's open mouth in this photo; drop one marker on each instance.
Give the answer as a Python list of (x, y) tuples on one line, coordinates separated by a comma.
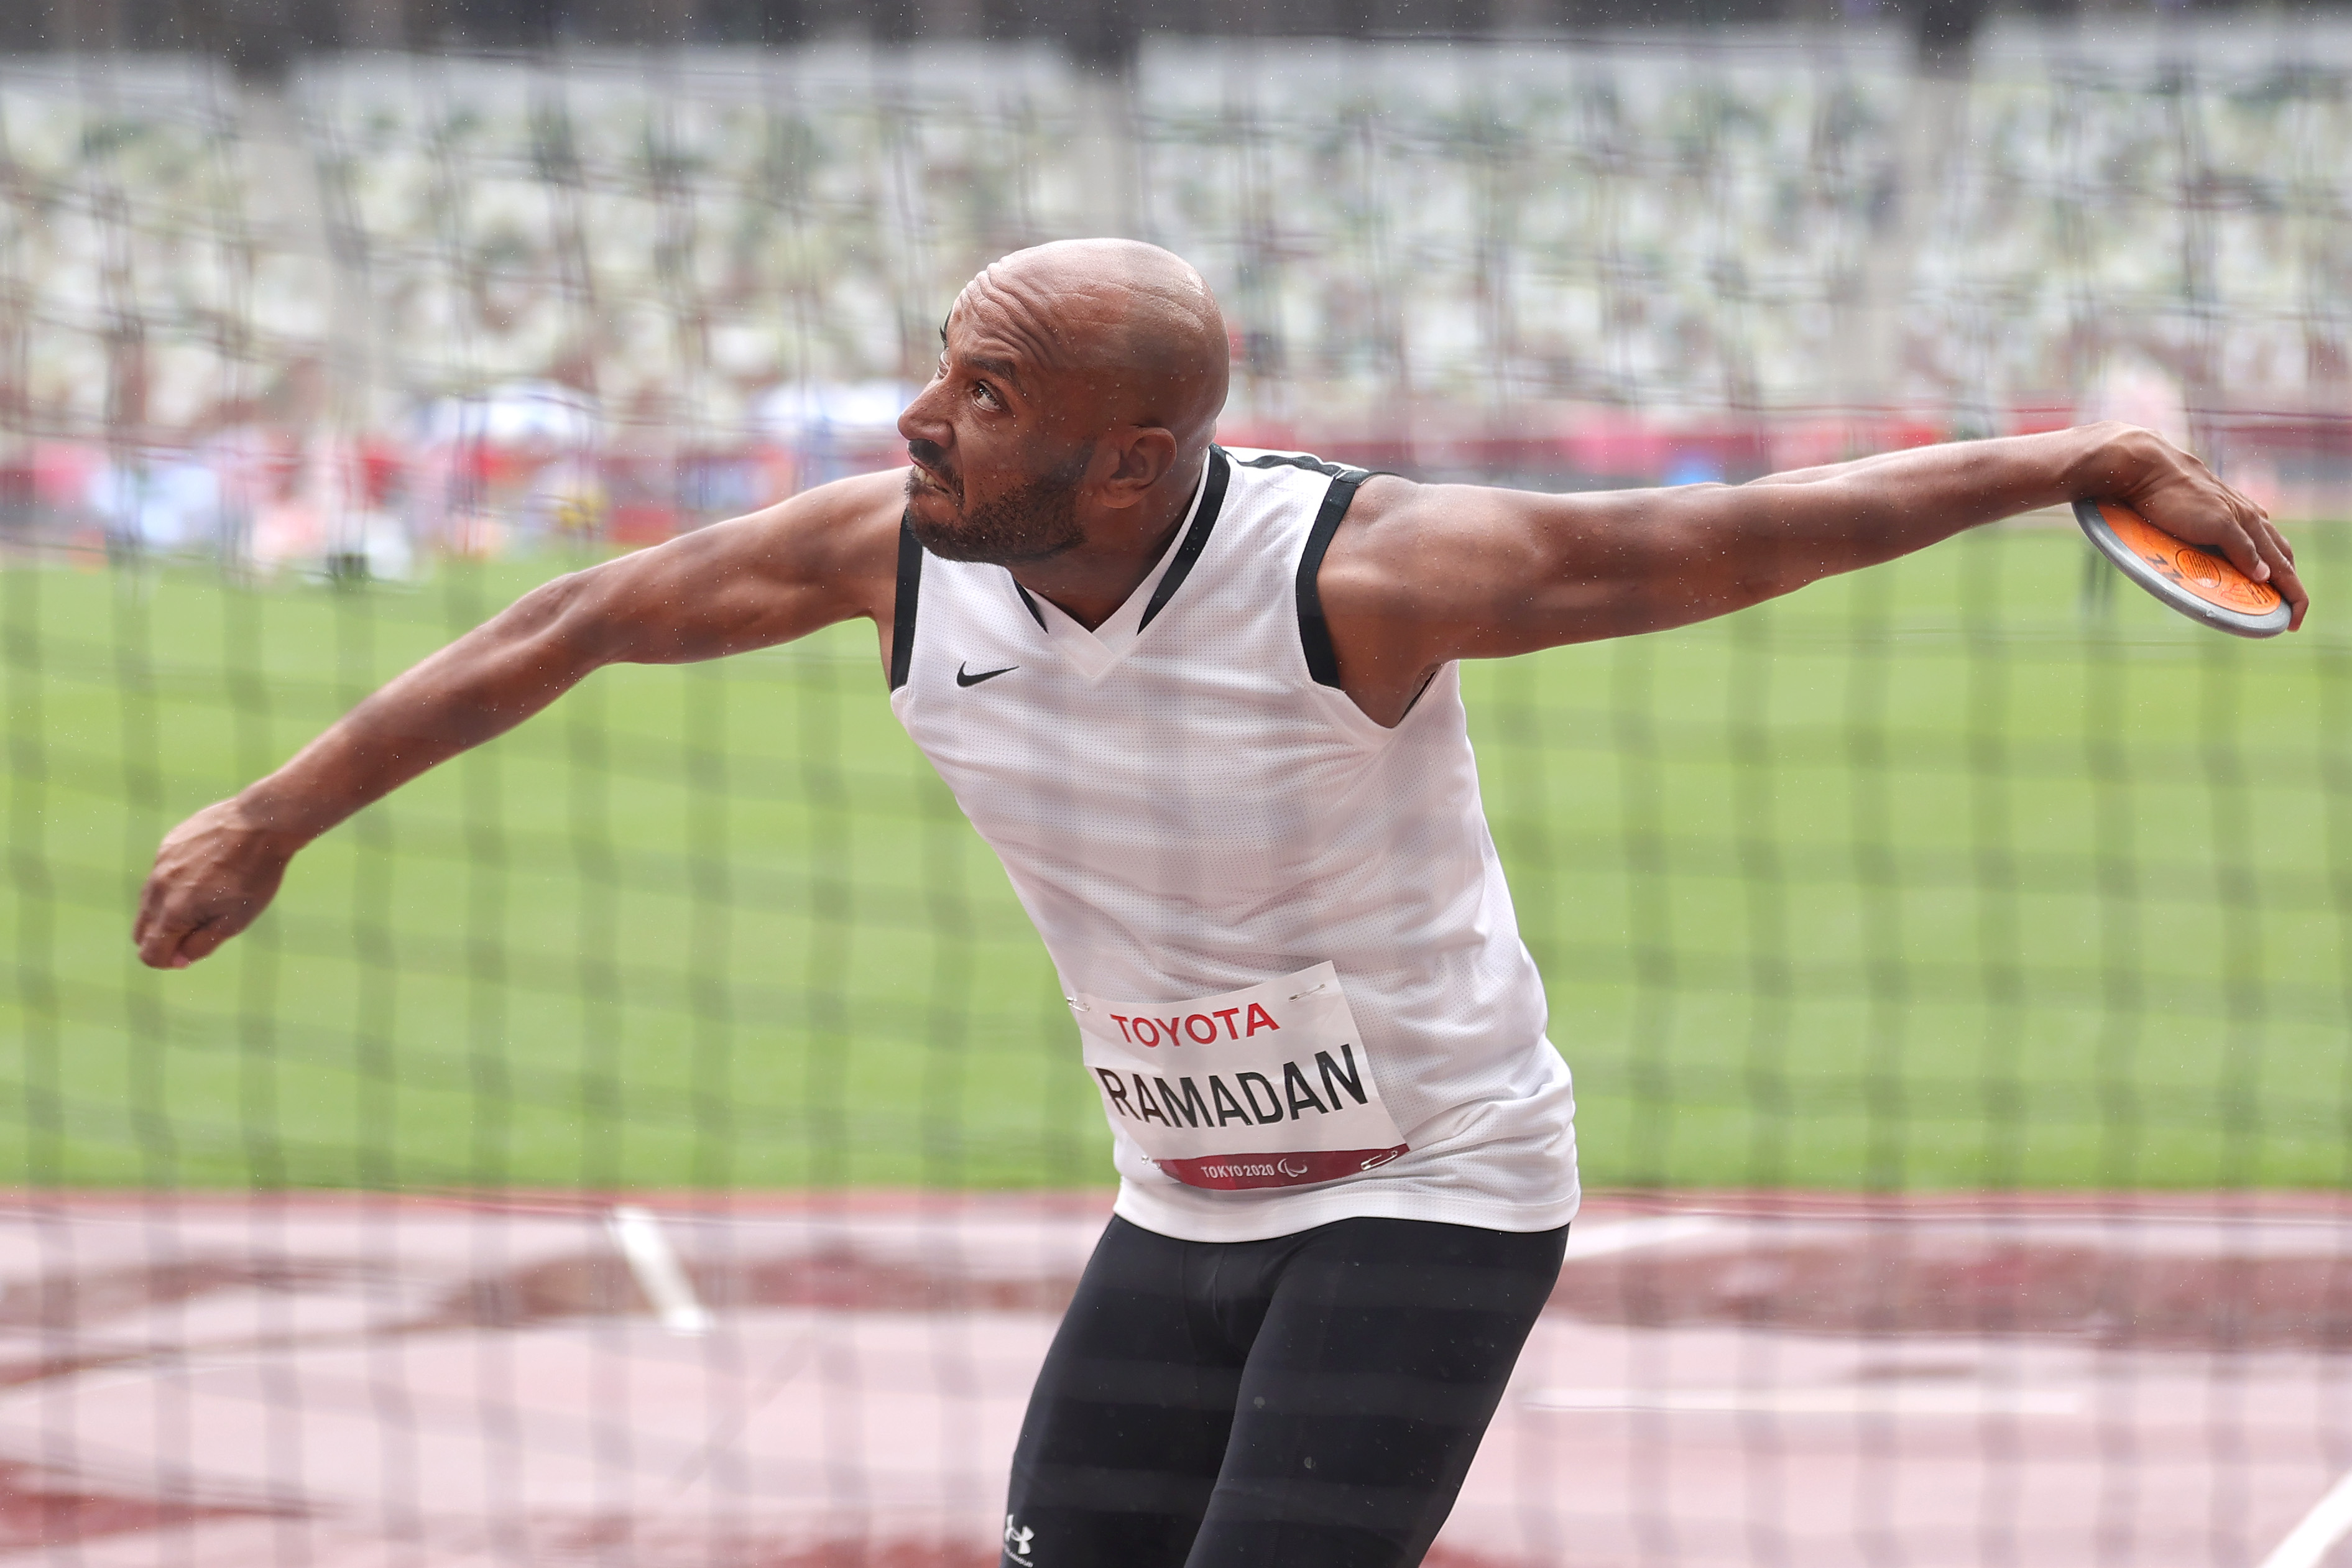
[(928, 479)]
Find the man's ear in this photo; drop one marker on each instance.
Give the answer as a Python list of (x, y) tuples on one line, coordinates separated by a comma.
[(1146, 454)]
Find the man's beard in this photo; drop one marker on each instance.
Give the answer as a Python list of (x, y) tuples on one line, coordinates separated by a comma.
[(1035, 523)]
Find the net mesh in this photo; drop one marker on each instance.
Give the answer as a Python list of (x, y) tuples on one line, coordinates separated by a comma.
[(1955, 959)]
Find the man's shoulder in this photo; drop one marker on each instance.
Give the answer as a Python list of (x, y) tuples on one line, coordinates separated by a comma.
[(1392, 547), (874, 500), (839, 541), (847, 524), (1385, 497)]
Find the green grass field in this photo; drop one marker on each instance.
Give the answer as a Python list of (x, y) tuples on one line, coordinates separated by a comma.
[(1930, 877)]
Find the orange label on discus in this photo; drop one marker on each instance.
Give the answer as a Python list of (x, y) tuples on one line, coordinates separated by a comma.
[(2199, 570)]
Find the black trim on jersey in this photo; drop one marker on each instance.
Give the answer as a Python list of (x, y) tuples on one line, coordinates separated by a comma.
[(1314, 631), (902, 610), (1311, 463), (1196, 538)]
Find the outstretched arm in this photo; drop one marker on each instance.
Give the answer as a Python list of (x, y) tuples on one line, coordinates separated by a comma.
[(819, 558), (1421, 574)]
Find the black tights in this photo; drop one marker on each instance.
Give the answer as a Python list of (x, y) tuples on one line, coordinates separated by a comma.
[(1311, 1401)]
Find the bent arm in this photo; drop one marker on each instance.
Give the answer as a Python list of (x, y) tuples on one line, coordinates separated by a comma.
[(820, 558), (1437, 573)]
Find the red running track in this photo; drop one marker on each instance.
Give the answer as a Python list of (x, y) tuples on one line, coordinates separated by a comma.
[(1759, 1378)]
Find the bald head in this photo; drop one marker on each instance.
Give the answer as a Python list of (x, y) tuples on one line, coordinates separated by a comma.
[(1078, 387), (1132, 323)]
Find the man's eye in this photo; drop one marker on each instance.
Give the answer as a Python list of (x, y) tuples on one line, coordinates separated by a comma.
[(984, 392)]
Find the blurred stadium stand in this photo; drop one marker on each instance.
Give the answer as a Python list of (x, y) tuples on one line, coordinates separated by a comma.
[(263, 35), (406, 282)]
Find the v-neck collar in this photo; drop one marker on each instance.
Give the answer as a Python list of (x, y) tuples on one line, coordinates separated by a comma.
[(1095, 652)]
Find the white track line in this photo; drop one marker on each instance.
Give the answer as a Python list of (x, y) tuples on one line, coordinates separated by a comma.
[(2329, 1520), (659, 1275), (1837, 1399), (1625, 1235)]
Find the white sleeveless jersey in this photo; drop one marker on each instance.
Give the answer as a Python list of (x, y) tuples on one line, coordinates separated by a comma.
[(1283, 929)]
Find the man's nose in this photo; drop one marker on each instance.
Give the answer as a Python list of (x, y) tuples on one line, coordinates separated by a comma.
[(923, 419)]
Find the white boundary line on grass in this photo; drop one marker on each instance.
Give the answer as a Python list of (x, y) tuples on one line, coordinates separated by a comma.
[(658, 1273), (2306, 1544)]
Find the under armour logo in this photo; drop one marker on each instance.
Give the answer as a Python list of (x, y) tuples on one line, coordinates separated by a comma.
[(1016, 1542)]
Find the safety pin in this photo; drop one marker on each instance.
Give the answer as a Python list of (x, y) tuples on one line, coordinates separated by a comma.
[(1318, 985), (1080, 1006)]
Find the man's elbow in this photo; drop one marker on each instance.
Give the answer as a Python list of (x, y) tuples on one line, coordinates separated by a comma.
[(568, 618)]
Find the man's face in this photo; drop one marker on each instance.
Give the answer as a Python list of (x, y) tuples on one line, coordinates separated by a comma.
[(997, 471)]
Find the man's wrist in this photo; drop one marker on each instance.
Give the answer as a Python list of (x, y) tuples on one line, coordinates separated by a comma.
[(270, 811), (2103, 461)]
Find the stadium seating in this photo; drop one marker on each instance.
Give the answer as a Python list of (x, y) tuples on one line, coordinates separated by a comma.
[(1714, 241)]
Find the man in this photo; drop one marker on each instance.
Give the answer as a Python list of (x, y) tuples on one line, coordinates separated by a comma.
[(1203, 704)]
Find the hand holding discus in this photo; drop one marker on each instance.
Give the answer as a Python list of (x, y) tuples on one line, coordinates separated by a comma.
[(2185, 577), (2200, 548)]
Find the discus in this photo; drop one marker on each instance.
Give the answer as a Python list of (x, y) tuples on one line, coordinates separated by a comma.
[(2187, 577)]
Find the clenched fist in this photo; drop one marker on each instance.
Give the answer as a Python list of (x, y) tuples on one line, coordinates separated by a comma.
[(214, 876)]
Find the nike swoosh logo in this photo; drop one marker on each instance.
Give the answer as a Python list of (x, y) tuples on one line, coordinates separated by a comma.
[(964, 677)]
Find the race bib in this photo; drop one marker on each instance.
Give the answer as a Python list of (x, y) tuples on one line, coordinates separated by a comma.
[(1270, 1087)]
